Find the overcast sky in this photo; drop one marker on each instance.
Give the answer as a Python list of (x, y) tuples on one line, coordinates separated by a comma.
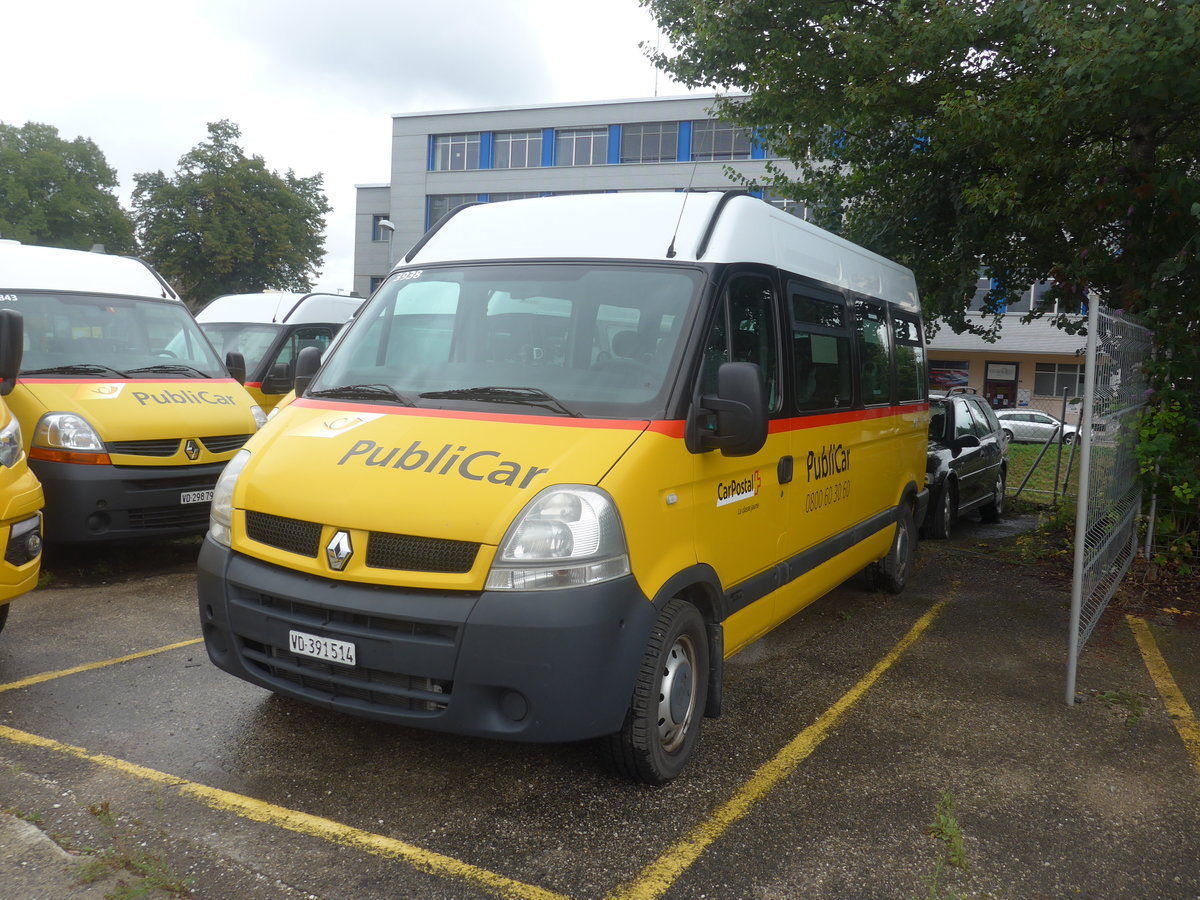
[(312, 85)]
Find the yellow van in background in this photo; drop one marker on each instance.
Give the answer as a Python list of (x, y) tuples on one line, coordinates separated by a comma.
[(128, 414), (269, 330), (20, 493), (573, 454)]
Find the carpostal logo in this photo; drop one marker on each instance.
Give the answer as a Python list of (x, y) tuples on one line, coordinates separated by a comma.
[(739, 489), (105, 391), (183, 397)]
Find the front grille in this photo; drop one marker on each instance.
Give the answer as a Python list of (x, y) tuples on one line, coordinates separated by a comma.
[(224, 443), (164, 447), (308, 615), (292, 535), (419, 554), (192, 516), (405, 552), (372, 686)]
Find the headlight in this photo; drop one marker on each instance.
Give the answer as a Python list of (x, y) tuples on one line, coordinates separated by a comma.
[(260, 417), (220, 517), (567, 536), (10, 443), (66, 431)]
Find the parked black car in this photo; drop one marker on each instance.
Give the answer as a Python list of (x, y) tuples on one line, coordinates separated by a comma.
[(968, 462)]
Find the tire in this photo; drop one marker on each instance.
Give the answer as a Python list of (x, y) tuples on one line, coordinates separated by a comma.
[(991, 511), (662, 724), (1068, 438), (3, 615), (1008, 434), (891, 572), (944, 512)]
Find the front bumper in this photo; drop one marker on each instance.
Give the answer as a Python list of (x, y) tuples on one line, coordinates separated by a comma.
[(531, 666)]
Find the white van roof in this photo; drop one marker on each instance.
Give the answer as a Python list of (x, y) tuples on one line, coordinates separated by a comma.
[(24, 267), (292, 307), (707, 226)]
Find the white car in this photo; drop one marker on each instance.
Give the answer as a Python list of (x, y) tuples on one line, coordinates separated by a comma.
[(1034, 425)]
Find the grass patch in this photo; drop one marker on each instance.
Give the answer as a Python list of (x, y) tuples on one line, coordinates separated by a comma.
[(945, 828), (126, 853)]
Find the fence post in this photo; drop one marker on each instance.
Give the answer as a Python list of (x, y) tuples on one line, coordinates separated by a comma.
[(1081, 500)]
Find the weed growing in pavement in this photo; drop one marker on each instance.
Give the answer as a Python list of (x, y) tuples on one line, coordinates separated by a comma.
[(1128, 705), (126, 853), (945, 828)]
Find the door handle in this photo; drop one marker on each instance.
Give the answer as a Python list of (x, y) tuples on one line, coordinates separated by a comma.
[(785, 469)]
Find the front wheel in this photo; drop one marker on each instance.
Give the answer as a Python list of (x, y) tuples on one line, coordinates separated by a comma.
[(663, 722), (3, 615), (891, 572)]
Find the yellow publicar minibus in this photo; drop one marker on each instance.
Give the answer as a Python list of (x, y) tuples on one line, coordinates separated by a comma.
[(572, 455), (20, 493), (128, 414)]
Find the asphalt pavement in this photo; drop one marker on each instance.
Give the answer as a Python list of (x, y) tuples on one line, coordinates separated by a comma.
[(874, 747)]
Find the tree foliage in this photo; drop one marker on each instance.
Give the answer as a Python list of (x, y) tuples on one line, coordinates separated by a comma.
[(1048, 140), (59, 193), (226, 224)]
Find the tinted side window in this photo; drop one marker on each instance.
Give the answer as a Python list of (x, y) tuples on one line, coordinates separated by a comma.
[(820, 349), (874, 352), (910, 357), (744, 331)]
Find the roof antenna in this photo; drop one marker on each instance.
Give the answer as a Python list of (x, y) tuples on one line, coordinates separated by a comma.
[(682, 207)]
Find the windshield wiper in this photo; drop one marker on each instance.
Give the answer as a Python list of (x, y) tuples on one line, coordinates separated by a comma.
[(491, 394), (95, 369), (171, 369), (362, 392)]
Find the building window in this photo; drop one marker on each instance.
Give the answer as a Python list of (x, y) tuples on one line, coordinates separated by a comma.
[(378, 233), (797, 208), (518, 150), (376, 281), (581, 147), (714, 141), (945, 374), (1055, 379), (650, 142), (455, 152), (513, 195), (440, 204)]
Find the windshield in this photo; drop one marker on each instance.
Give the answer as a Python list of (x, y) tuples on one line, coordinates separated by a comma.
[(251, 340), (559, 339), (107, 337)]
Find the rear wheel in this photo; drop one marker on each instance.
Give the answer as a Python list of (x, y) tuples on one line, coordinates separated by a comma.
[(891, 572), (663, 722), (1008, 434), (944, 512), (991, 512)]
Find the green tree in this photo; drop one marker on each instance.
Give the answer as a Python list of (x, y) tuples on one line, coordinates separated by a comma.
[(59, 193), (225, 224), (1048, 140)]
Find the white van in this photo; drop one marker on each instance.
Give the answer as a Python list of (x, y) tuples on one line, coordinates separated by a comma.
[(269, 329), (127, 412)]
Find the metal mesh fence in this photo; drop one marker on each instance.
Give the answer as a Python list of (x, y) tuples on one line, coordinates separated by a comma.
[(1110, 494)]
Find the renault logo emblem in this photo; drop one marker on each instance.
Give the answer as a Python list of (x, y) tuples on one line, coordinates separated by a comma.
[(191, 448), (338, 551)]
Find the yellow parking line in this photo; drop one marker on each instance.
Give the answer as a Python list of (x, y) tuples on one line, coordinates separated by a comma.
[(87, 667), (1173, 700), (293, 820), (658, 877)]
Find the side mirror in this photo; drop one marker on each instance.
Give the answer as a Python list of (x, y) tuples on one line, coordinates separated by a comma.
[(279, 381), (12, 346), (236, 364), (967, 440), (740, 406), (308, 361)]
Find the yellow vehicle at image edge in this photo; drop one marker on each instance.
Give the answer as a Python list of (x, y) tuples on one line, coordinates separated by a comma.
[(20, 493), (128, 414), (572, 455)]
